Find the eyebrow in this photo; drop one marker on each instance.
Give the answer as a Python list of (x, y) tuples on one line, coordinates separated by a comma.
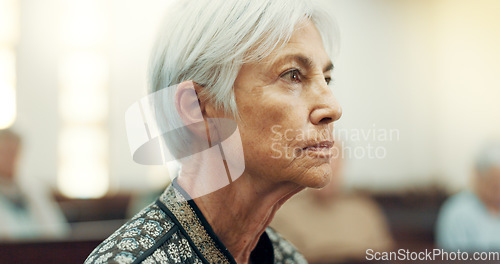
[(305, 61)]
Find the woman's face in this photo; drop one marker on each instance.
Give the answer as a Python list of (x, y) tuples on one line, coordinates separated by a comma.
[(287, 110)]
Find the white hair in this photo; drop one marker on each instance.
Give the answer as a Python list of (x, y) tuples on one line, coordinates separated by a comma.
[(488, 157), (208, 41)]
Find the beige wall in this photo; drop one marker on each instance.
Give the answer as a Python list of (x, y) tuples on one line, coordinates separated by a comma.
[(386, 78), (429, 68), (468, 83)]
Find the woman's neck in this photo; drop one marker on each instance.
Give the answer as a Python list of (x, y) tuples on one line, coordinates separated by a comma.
[(240, 212)]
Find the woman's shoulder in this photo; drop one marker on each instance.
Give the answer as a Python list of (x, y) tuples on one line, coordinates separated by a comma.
[(137, 239)]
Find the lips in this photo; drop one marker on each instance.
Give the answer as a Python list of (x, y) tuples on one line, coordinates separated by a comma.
[(320, 146), (319, 150)]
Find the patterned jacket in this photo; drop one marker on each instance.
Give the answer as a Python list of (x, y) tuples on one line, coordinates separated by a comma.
[(173, 230)]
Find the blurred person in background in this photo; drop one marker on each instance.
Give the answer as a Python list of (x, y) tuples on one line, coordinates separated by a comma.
[(334, 226), (24, 213), (470, 220)]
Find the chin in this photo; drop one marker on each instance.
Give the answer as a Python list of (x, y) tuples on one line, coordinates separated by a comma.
[(318, 178)]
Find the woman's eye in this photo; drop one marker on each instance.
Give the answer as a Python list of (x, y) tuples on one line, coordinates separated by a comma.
[(328, 80), (292, 76)]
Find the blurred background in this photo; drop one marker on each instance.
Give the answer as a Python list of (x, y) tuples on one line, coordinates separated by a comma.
[(417, 80)]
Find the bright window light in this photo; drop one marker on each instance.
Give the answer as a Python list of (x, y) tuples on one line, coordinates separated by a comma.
[(9, 22), (83, 88), (83, 170), (83, 100), (85, 23)]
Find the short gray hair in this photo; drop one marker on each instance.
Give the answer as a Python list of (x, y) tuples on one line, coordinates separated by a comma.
[(208, 41), (488, 157)]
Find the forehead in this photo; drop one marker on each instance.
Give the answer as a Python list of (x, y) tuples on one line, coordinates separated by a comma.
[(306, 40), (304, 48), (305, 29)]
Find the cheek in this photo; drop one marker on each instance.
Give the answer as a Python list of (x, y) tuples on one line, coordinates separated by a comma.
[(262, 129), (263, 113), (270, 122)]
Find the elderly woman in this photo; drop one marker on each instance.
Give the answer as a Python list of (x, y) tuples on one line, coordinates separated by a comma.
[(266, 66)]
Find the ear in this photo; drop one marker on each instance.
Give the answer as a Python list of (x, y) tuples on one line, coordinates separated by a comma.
[(190, 108)]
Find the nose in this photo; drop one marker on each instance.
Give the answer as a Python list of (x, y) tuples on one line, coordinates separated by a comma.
[(326, 108)]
